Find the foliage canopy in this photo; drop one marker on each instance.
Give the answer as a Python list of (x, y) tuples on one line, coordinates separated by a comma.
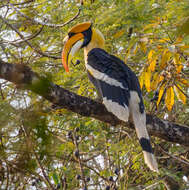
[(43, 148)]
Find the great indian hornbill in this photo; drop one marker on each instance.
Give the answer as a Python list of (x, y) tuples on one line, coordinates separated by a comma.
[(117, 85)]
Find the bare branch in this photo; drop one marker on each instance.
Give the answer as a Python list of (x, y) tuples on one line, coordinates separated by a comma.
[(175, 157), (44, 23), (79, 160), (29, 141), (181, 90), (18, 42), (27, 41), (16, 4)]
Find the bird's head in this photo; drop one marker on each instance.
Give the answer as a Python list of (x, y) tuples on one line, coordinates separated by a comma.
[(80, 36)]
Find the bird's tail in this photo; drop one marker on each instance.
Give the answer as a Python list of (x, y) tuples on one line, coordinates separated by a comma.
[(142, 133), (139, 120)]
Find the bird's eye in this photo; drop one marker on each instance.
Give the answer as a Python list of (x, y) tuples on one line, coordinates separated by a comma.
[(70, 34)]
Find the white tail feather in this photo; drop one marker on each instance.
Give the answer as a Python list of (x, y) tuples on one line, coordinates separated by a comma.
[(150, 161), (140, 127)]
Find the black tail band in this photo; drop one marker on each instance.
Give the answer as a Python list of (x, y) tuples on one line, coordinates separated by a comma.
[(145, 144)]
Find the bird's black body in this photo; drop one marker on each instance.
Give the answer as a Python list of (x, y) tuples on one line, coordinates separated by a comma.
[(116, 69)]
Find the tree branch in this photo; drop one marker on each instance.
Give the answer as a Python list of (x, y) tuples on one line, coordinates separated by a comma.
[(24, 77), (27, 41), (43, 23), (18, 43)]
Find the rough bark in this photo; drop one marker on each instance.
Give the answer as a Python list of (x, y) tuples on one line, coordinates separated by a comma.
[(24, 77)]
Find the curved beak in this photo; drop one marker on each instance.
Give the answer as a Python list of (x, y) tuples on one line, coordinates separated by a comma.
[(71, 46)]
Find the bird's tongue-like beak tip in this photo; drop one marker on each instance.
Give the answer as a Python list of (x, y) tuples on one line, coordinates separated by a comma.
[(66, 68)]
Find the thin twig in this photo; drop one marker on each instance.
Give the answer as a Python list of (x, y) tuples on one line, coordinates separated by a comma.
[(7, 183), (174, 157), (23, 171), (25, 2), (151, 186), (96, 172), (38, 161), (182, 54), (43, 171), (18, 42), (94, 156), (27, 42), (17, 4), (79, 160), (44, 23), (181, 90), (172, 41)]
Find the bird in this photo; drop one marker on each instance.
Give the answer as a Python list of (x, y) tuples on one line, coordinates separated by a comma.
[(115, 82)]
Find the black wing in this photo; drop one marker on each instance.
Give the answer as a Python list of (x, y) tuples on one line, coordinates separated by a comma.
[(117, 70)]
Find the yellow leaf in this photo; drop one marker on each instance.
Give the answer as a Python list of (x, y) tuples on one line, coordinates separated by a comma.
[(186, 52), (127, 55), (184, 81), (161, 91), (163, 40), (177, 63), (153, 64), (152, 59), (147, 78), (176, 58), (179, 94), (184, 47), (178, 40), (150, 26), (135, 48), (179, 68), (141, 79), (155, 81), (169, 98), (161, 78), (159, 47), (119, 34), (165, 58), (143, 46), (150, 55)]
